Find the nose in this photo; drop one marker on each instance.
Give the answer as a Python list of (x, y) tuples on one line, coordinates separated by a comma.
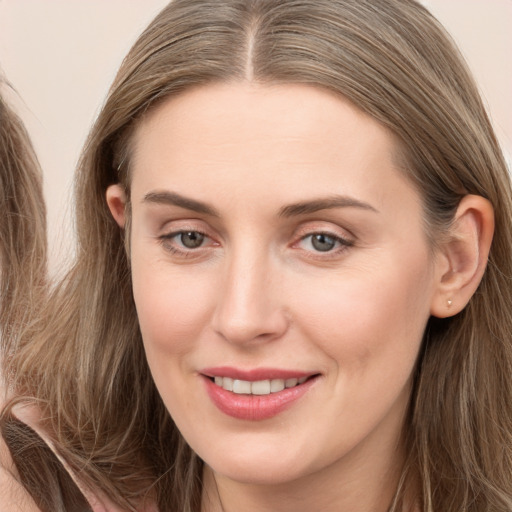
[(249, 307)]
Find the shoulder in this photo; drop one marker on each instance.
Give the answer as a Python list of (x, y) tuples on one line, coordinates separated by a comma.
[(14, 497)]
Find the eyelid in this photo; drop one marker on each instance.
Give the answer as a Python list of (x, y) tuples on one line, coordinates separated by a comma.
[(343, 238), (172, 226), (173, 234), (181, 252), (175, 227), (324, 228)]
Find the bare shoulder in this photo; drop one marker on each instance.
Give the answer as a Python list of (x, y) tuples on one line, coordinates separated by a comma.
[(14, 498)]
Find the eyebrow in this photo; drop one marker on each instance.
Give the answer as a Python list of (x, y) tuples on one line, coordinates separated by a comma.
[(291, 210), (173, 199), (327, 203)]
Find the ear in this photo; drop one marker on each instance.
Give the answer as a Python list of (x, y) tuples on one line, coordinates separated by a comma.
[(462, 259), (116, 200)]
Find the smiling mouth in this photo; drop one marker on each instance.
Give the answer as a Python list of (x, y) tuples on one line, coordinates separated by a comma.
[(258, 394), (260, 387)]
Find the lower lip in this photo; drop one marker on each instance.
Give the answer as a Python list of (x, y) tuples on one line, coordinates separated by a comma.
[(255, 407)]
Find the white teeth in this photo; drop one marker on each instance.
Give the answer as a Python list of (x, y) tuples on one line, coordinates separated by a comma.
[(227, 383), (290, 383), (241, 387), (276, 385), (260, 387)]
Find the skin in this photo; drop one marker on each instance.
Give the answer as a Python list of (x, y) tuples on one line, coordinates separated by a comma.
[(258, 293)]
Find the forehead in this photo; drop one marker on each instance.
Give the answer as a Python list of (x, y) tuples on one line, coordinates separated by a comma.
[(294, 138), (230, 109)]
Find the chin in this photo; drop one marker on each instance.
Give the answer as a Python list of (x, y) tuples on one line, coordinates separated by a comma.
[(258, 474), (261, 466)]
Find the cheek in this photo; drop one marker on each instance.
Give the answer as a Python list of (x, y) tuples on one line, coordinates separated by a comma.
[(172, 307), (363, 318), (172, 312)]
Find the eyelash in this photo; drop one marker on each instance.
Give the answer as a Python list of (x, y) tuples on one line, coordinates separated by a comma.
[(341, 244), (167, 239)]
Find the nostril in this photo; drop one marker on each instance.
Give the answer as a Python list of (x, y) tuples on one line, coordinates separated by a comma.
[(251, 327)]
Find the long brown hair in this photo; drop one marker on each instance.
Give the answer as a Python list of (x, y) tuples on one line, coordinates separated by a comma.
[(22, 230), (86, 365)]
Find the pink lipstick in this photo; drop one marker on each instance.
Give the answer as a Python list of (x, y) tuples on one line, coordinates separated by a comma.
[(257, 394)]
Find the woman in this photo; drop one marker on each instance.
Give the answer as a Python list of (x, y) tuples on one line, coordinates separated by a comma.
[(285, 295)]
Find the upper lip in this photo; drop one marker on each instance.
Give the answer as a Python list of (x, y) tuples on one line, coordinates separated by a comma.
[(255, 374)]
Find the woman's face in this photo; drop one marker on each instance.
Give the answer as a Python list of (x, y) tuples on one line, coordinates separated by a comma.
[(282, 278)]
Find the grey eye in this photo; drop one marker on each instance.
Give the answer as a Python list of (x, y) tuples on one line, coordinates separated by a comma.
[(191, 239), (322, 242)]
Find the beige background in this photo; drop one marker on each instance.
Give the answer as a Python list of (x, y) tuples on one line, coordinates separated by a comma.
[(61, 55)]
